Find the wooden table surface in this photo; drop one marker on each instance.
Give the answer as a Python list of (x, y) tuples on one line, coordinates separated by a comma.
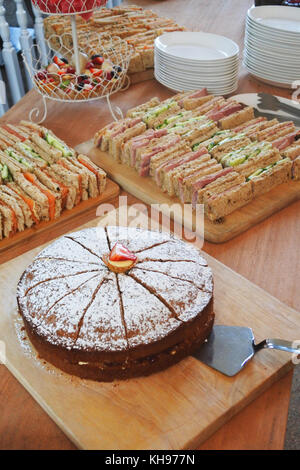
[(267, 255)]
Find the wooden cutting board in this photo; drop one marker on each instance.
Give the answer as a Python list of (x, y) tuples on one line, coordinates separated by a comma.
[(234, 224), (175, 409), (38, 234)]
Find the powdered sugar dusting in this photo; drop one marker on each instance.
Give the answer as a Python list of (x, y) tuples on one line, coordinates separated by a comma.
[(66, 248), (146, 321), (102, 327), (80, 305)]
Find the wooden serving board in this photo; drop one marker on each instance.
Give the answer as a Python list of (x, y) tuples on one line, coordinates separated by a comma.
[(38, 234), (178, 408), (234, 224)]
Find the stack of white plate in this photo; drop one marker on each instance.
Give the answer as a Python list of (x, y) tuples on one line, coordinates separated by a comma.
[(187, 61), (272, 44)]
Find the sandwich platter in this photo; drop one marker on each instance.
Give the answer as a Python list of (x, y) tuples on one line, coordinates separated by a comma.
[(196, 59), (272, 42), (254, 150), (44, 185)]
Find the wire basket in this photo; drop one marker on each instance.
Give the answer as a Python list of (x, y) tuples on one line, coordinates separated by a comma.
[(68, 7), (103, 68)]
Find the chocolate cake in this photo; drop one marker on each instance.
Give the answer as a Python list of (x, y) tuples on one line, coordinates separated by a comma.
[(94, 323)]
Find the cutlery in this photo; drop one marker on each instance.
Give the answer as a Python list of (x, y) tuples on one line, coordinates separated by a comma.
[(258, 113), (272, 103), (229, 348)]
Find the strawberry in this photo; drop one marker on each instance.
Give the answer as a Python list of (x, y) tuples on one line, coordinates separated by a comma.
[(71, 70), (41, 75), (62, 71), (121, 253), (96, 72), (97, 59), (90, 65), (58, 61)]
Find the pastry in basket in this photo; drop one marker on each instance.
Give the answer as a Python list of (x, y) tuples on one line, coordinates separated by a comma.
[(40, 176)]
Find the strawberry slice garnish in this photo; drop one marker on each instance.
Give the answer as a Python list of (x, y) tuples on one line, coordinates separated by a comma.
[(58, 61), (121, 253), (96, 72)]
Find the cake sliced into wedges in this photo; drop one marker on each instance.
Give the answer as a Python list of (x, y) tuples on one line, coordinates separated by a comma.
[(97, 324)]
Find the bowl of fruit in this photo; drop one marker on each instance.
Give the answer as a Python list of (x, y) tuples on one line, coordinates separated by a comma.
[(98, 76), (97, 71)]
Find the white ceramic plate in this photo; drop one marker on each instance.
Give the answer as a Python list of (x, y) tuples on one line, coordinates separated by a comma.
[(197, 46), (278, 36), (281, 38), (195, 78), (281, 60), (203, 69), (196, 85), (266, 76), (271, 48), (199, 66), (187, 72), (276, 18), (275, 43), (272, 58), (178, 86), (276, 73), (269, 81), (271, 61)]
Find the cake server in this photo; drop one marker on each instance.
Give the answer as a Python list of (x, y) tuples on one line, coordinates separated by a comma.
[(260, 113), (272, 103), (229, 348)]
